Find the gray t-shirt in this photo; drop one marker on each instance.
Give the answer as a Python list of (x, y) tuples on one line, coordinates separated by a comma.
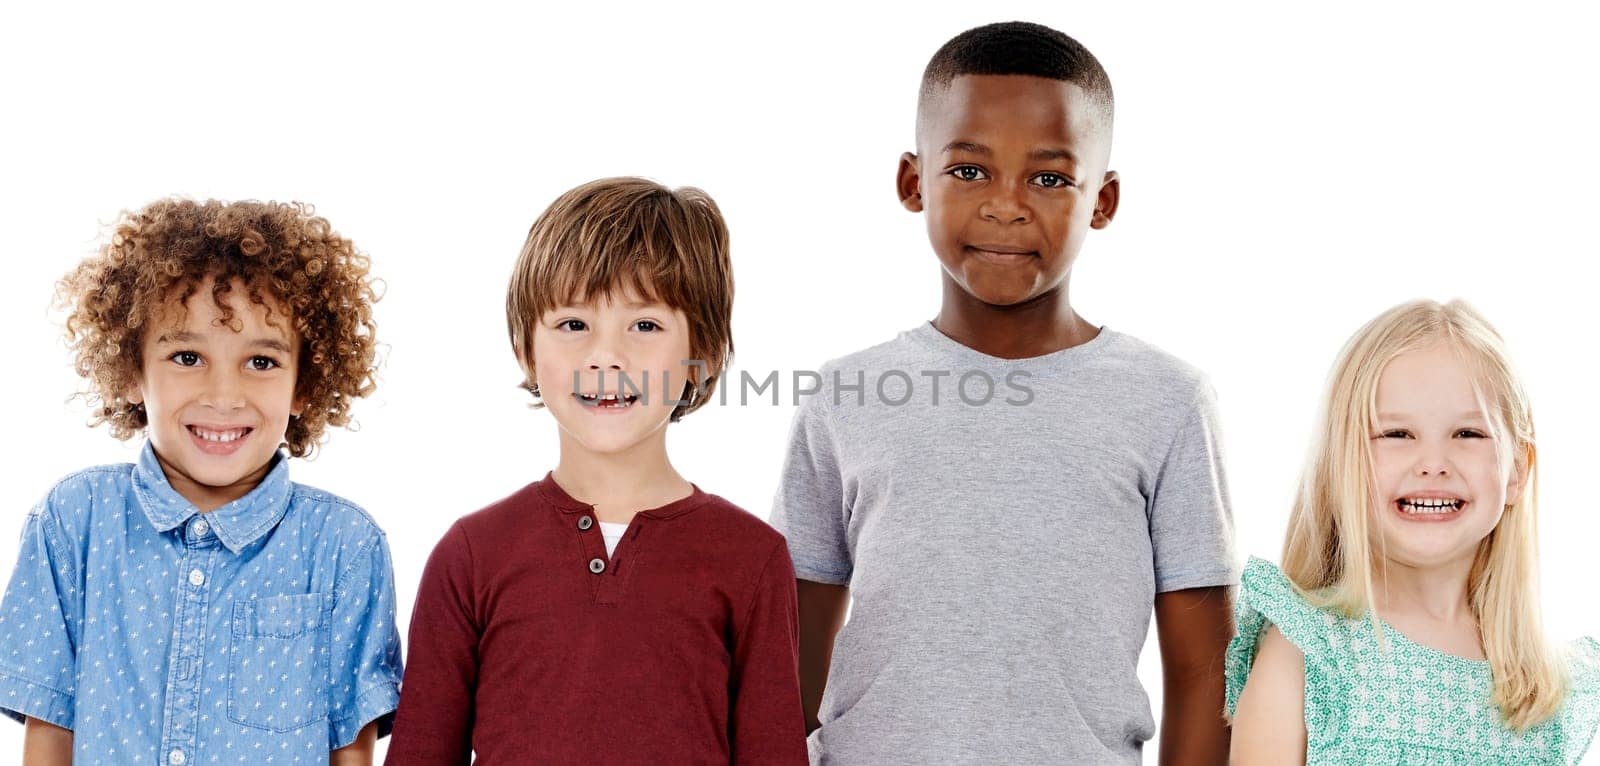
[(1003, 543)]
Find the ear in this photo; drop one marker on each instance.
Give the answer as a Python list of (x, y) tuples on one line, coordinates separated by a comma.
[(134, 393), (297, 406), (1521, 468), (908, 182), (1105, 203)]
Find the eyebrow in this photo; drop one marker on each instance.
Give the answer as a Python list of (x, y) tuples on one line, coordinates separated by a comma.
[(1468, 415), (967, 146), (630, 306), (1054, 153), (271, 344)]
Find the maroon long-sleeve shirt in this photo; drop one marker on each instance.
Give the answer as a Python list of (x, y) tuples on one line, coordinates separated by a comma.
[(529, 645)]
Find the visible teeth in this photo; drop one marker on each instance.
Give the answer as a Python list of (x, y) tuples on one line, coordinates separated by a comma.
[(1428, 505), (220, 436), (608, 400)]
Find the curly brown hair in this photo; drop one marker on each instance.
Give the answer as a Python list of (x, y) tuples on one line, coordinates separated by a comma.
[(282, 251)]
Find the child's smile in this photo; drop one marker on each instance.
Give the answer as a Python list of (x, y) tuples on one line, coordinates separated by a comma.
[(218, 393), (1438, 472), (219, 440), (609, 371)]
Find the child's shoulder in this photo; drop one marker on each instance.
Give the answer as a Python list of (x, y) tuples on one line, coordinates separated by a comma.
[(1267, 595), (507, 512), (1581, 712), (1150, 360), (334, 512), (906, 347), (1583, 658), (735, 522), (75, 494)]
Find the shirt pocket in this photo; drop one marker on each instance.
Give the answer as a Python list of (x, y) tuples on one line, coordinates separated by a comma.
[(278, 663)]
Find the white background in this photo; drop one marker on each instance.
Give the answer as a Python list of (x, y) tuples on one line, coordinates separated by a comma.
[(1287, 174)]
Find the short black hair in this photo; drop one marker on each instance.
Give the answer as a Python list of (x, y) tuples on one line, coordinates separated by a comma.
[(1019, 48)]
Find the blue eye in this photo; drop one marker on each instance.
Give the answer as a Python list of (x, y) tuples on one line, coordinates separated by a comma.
[(186, 359), (968, 173)]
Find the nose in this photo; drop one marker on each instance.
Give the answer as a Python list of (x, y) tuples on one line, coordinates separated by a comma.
[(605, 359), (1432, 462), (1004, 205), (224, 391)]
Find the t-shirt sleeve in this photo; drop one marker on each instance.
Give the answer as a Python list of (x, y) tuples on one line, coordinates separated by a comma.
[(434, 723), (39, 618), (766, 723), (1266, 596), (1191, 523), (811, 509), (365, 669)]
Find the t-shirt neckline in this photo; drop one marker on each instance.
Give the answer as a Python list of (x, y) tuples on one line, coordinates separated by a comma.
[(930, 336)]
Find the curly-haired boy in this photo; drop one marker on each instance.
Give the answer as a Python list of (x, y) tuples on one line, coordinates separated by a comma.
[(198, 606)]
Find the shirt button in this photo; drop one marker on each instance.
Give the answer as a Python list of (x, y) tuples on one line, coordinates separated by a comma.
[(584, 522), (597, 565), (196, 578), (176, 758), (199, 528)]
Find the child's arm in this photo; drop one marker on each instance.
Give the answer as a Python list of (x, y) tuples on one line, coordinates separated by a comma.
[(1193, 627), (822, 610), (365, 666), (434, 724), (766, 725), (359, 752), (1269, 725), (812, 511), (39, 618), (1191, 537), (46, 744)]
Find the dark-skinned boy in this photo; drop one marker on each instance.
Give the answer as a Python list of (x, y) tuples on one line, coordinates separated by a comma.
[(1006, 553)]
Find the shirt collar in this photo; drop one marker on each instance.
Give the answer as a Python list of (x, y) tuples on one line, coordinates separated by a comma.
[(555, 495), (237, 524)]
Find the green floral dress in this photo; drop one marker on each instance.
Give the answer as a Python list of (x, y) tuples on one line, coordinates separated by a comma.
[(1407, 704)]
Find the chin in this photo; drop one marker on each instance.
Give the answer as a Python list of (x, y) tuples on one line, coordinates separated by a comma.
[(1428, 556), (1000, 293)]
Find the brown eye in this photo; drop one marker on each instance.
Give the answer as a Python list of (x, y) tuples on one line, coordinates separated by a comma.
[(1052, 180), (645, 325), (186, 359), (572, 325), (263, 363), (967, 173)]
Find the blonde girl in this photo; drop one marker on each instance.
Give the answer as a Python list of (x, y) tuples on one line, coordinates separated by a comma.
[(1404, 626)]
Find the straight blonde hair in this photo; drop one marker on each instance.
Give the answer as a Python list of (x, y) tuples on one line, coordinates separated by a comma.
[(1328, 553)]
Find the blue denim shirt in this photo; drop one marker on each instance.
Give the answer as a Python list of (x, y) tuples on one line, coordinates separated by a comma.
[(262, 632)]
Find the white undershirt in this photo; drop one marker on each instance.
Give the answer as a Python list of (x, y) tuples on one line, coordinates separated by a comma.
[(612, 532)]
